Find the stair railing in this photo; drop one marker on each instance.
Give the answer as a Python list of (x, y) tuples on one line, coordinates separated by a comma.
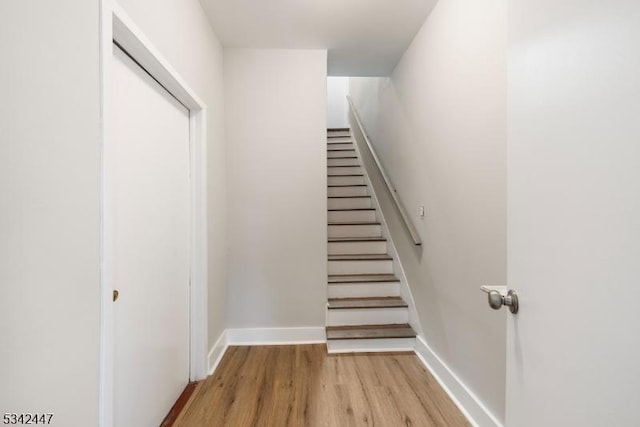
[(392, 190)]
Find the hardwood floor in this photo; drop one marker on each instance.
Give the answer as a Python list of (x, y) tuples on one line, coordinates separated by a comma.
[(304, 386)]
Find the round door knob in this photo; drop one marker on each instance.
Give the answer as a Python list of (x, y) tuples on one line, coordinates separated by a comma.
[(495, 300)]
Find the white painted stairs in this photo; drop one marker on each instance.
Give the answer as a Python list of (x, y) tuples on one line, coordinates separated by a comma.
[(365, 312)]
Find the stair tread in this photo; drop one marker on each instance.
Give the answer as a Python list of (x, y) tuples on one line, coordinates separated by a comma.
[(341, 149), (369, 302), (351, 209), (348, 174), (356, 239), (343, 166), (370, 331), (338, 129), (354, 223), (360, 257), (347, 197), (343, 157), (355, 278), (347, 185)]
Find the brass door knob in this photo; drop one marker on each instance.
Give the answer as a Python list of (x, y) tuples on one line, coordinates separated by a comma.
[(116, 294)]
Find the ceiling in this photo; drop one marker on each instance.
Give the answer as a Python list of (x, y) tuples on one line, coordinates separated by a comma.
[(363, 37)]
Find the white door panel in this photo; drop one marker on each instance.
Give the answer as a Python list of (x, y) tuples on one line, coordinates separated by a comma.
[(147, 243), (574, 213)]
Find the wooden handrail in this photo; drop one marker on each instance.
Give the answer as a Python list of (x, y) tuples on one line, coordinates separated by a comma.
[(394, 194)]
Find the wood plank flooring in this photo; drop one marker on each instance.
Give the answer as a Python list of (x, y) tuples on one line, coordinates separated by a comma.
[(302, 385)]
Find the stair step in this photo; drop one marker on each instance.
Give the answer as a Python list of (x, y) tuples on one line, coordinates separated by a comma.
[(344, 152), (347, 191), (360, 202), (356, 245), (363, 289), (356, 239), (370, 332), (374, 345), (338, 129), (361, 278), (354, 229), (360, 264), (366, 303), (343, 170), (346, 180), (347, 185), (347, 161), (341, 215), (355, 222), (343, 160), (359, 257), (367, 316)]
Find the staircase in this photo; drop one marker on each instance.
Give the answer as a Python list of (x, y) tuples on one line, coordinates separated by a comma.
[(365, 312)]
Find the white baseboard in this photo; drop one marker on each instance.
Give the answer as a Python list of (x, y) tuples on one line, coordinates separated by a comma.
[(276, 336), (217, 351), (465, 399), (263, 336)]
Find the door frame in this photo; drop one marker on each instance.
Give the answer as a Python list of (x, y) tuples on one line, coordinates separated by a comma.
[(116, 25)]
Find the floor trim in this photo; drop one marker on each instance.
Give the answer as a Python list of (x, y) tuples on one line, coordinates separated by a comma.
[(276, 336), (263, 336), (217, 351), (472, 407)]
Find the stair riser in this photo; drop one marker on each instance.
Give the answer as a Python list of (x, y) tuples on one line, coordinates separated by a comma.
[(347, 191), (345, 180), (366, 316), (348, 248), (355, 231), (361, 267), (343, 162), (341, 140), (355, 203), (371, 345), (364, 290), (343, 146), (345, 216), (338, 133), (348, 170)]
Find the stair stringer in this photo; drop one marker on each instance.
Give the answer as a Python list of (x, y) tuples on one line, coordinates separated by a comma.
[(405, 289)]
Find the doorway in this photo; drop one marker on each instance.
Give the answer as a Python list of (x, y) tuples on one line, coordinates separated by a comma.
[(146, 242), (153, 229)]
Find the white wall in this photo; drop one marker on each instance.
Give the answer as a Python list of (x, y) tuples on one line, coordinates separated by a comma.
[(50, 182), (337, 107), (275, 106), (574, 213), (439, 126), (49, 219)]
